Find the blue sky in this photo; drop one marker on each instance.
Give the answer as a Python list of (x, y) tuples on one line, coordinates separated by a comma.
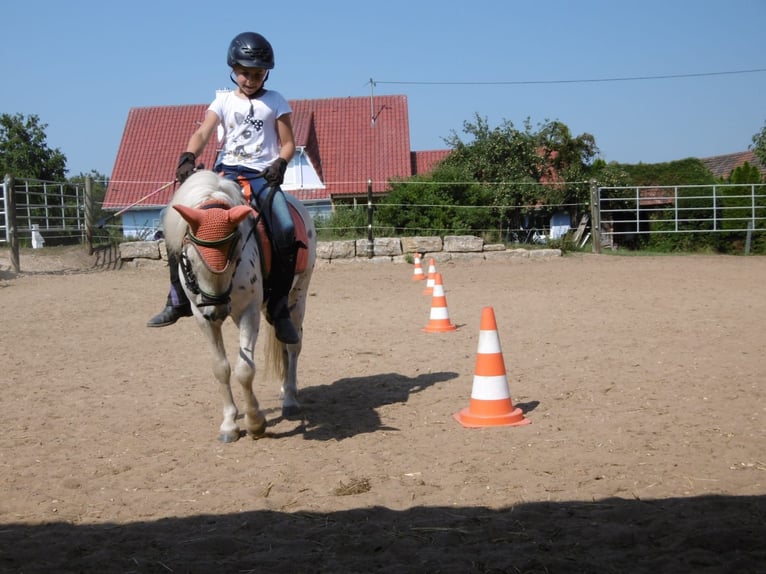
[(80, 66)]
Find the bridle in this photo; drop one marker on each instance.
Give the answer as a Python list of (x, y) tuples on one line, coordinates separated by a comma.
[(208, 299)]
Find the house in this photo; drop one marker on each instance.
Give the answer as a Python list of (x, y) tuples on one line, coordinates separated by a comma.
[(341, 144)]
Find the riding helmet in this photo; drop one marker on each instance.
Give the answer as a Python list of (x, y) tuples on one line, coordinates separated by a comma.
[(250, 50)]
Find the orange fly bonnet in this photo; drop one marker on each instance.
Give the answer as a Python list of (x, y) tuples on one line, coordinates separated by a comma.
[(214, 228)]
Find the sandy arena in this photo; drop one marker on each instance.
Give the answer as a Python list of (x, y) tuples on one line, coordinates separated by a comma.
[(643, 378)]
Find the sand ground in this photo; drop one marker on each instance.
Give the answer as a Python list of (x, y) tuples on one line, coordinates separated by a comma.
[(643, 379)]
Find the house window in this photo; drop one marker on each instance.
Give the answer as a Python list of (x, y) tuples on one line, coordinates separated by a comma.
[(300, 173)]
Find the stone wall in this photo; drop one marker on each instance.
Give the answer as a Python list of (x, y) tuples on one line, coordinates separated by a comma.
[(385, 250)]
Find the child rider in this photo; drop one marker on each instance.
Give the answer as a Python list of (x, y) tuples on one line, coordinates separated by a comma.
[(258, 144)]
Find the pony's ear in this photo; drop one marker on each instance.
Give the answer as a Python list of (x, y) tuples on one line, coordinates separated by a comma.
[(191, 215), (238, 213)]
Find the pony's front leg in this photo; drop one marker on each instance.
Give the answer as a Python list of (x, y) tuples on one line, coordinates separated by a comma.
[(249, 325), (229, 431)]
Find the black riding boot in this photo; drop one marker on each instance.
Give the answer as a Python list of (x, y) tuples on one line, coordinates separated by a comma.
[(277, 308), (177, 304)]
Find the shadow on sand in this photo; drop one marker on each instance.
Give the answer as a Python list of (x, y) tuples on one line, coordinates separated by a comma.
[(346, 407), (703, 534)]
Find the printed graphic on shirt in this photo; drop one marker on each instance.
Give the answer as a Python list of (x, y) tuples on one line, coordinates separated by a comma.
[(250, 119), (243, 135)]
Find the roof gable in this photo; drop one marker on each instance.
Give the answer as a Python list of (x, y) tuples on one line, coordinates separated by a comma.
[(351, 148)]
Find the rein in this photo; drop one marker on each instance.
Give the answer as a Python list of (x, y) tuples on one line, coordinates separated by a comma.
[(208, 299)]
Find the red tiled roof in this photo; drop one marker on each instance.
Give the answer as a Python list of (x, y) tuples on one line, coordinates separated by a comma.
[(723, 165), (146, 159), (352, 150), (425, 161), (337, 133)]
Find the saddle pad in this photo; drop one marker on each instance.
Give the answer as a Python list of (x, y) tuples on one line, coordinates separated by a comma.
[(265, 241), (300, 236)]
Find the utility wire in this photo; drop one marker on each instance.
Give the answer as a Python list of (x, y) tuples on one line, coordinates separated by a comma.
[(580, 81)]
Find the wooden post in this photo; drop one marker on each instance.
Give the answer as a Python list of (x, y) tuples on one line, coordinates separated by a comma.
[(370, 240), (89, 214), (10, 221), (595, 217)]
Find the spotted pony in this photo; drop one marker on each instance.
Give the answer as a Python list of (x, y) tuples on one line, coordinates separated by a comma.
[(212, 230)]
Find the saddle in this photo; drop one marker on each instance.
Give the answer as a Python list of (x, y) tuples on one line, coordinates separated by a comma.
[(264, 239)]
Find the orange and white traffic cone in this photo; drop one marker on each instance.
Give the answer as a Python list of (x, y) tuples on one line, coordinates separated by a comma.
[(491, 403), (431, 276), (439, 320), (417, 274)]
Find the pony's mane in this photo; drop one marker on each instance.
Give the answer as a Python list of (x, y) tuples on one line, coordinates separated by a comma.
[(201, 187)]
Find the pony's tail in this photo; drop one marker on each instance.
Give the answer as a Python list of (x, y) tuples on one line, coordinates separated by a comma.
[(274, 351)]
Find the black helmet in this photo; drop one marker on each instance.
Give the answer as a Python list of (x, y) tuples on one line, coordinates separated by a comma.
[(250, 50)]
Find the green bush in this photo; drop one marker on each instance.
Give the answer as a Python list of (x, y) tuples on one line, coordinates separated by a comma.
[(346, 222)]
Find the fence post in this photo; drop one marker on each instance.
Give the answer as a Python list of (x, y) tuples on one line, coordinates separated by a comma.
[(89, 213), (370, 240), (10, 220), (595, 217)]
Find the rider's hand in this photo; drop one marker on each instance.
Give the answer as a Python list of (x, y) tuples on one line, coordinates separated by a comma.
[(274, 174), (185, 166)]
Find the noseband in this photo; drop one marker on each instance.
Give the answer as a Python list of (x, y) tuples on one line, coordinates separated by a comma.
[(208, 299)]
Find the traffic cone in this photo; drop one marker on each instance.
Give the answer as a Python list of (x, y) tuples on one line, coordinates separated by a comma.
[(431, 276), (439, 321), (490, 398), (417, 274)]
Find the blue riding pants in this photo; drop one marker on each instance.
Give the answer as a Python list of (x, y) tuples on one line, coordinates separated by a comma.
[(271, 203)]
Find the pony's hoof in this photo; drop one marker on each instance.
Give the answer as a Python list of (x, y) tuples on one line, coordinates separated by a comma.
[(227, 437), (256, 426), (257, 431), (291, 411)]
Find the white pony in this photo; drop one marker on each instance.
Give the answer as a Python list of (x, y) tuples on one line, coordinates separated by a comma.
[(222, 265)]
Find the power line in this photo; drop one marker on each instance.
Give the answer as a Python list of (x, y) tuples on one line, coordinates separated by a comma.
[(580, 81)]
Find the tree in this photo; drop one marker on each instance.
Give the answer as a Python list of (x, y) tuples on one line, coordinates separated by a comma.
[(737, 204), (689, 171), (608, 174), (511, 171), (411, 207), (24, 151), (745, 173), (528, 167), (759, 145)]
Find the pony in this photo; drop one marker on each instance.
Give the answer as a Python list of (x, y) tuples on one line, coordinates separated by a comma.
[(222, 266)]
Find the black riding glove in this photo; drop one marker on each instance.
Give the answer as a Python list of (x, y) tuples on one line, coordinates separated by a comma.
[(275, 173), (185, 166)]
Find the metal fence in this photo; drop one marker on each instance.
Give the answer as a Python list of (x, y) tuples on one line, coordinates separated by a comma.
[(682, 209), (63, 211), (56, 209)]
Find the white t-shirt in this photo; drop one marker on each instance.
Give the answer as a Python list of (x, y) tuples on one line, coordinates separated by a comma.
[(250, 133)]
